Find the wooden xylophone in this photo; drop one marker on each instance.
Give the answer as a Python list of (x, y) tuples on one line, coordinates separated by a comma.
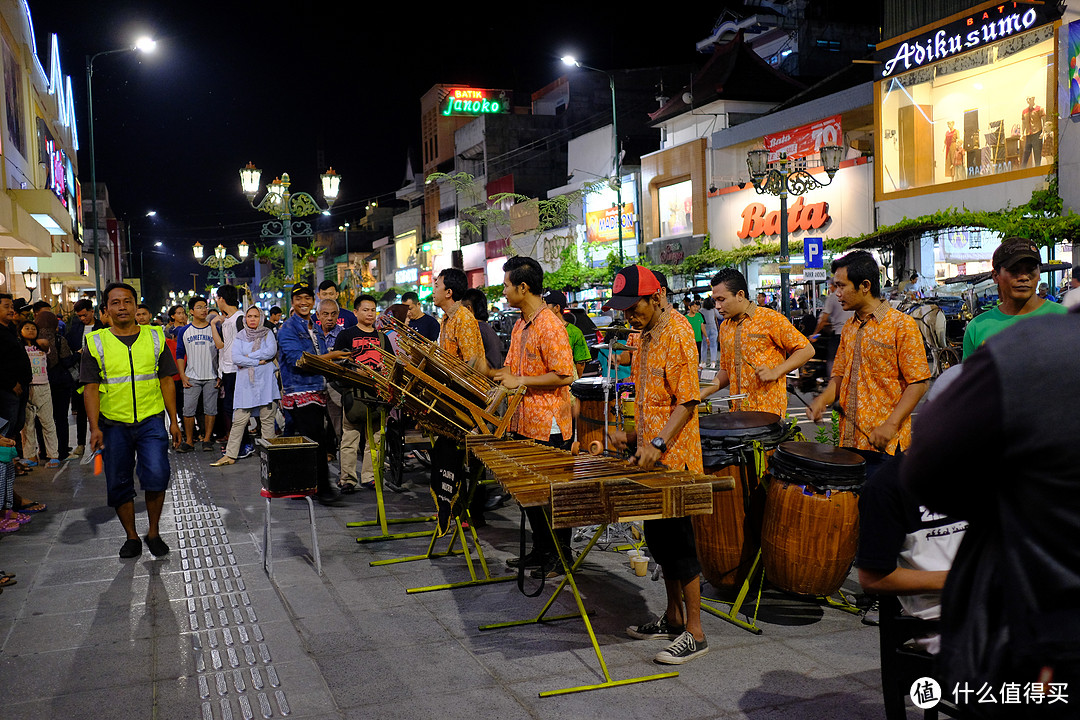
[(591, 490)]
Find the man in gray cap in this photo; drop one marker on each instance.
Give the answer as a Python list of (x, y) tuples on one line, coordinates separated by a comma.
[(1016, 271)]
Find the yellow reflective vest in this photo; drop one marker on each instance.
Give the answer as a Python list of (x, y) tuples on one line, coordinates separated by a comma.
[(130, 390)]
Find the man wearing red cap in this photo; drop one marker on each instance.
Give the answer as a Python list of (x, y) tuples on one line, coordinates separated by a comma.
[(667, 394)]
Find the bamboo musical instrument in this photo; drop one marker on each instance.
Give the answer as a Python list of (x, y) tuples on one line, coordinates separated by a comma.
[(590, 490)]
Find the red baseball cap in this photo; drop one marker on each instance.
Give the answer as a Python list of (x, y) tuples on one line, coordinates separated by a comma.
[(631, 284)]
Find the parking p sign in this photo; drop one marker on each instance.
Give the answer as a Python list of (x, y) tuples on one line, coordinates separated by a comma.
[(812, 247)]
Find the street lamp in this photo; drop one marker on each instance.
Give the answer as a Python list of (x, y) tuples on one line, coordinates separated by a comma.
[(782, 182), (145, 45), (30, 279), (284, 206), (615, 182), (220, 261), (56, 287)]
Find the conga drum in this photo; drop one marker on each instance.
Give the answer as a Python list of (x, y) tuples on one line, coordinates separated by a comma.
[(811, 528), (593, 415), (729, 538)]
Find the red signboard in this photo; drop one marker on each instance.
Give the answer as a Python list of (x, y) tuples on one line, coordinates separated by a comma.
[(803, 141)]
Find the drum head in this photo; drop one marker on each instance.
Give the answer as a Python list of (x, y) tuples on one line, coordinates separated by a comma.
[(592, 388), (739, 423), (823, 467)]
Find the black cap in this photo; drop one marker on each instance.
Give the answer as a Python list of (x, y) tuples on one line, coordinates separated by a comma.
[(555, 297), (631, 284), (302, 288), (1013, 250)]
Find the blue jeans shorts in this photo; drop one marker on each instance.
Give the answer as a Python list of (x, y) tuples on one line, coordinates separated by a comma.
[(140, 449)]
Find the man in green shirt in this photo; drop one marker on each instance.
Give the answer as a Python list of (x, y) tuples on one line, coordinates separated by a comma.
[(1016, 271), (556, 301), (696, 319)]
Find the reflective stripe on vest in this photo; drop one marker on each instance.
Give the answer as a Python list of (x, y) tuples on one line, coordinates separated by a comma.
[(130, 389)]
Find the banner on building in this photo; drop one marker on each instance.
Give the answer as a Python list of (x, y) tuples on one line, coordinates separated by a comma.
[(805, 140)]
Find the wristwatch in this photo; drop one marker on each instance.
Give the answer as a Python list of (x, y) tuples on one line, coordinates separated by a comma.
[(659, 444)]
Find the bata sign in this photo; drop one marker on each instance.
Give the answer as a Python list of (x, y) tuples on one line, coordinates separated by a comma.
[(969, 33), (757, 222)]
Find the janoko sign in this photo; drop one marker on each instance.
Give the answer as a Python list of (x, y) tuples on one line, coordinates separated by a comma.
[(475, 101)]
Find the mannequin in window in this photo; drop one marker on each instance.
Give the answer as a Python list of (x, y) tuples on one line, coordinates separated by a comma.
[(1049, 141), (954, 152), (1031, 126)]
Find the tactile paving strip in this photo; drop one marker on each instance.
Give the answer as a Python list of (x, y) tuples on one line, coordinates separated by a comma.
[(233, 664)]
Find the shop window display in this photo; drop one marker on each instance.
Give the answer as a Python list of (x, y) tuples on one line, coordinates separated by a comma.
[(676, 208), (987, 112)]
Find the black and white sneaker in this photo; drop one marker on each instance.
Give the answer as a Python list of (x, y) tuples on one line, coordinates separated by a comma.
[(684, 649), (659, 628), (872, 616)]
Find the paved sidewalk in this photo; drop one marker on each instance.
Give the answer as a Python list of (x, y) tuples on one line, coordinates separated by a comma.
[(204, 633)]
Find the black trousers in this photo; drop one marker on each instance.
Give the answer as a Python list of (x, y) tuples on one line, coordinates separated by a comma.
[(310, 422), (541, 528)]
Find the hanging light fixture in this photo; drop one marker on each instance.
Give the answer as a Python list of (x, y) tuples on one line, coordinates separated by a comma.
[(56, 287), (30, 278)]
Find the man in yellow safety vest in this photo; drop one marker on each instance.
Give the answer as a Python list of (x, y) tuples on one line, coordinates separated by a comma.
[(127, 370)]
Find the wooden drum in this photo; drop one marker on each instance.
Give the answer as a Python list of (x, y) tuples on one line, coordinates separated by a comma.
[(811, 527), (593, 415), (729, 538)]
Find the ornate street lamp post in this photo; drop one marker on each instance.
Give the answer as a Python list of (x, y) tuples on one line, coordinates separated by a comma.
[(220, 262), (285, 205), (782, 182)]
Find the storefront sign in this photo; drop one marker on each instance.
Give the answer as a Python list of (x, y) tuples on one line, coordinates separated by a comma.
[(804, 141), (472, 101), (406, 276), (756, 221), (1074, 67), (974, 31)]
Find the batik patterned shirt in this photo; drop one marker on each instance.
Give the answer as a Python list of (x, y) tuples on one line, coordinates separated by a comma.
[(538, 346), (760, 338)]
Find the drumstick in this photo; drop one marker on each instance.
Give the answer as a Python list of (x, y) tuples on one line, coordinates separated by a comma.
[(840, 411)]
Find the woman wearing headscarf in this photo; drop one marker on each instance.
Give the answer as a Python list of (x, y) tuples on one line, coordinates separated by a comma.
[(253, 351)]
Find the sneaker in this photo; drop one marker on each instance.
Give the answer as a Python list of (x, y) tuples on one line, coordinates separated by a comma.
[(369, 485), (157, 546), (184, 447), (208, 446), (684, 649), (872, 616), (78, 450), (659, 628), (246, 451), (347, 487), (550, 568), (531, 559), (131, 548)]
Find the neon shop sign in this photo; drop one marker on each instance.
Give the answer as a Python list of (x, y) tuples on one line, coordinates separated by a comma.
[(470, 101), (974, 31)]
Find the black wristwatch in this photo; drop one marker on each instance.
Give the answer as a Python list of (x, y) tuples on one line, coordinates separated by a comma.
[(659, 444)]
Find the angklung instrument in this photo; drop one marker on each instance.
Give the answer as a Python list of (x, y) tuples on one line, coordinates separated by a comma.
[(440, 392)]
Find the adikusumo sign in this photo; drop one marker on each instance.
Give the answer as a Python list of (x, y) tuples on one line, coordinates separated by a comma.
[(969, 33)]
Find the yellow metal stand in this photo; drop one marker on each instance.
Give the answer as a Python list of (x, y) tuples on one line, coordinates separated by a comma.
[(568, 579), (461, 523), (732, 614), (377, 456)]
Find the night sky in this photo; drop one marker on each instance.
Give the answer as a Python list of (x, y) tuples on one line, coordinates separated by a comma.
[(278, 84)]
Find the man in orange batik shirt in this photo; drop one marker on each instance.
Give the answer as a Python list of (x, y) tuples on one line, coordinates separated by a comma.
[(758, 348), (666, 396), (540, 360), (880, 371)]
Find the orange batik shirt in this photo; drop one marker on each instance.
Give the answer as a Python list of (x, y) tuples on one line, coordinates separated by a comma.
[(460, 335), (763, 338), (538, 346), (665, 375), (876, 361)]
